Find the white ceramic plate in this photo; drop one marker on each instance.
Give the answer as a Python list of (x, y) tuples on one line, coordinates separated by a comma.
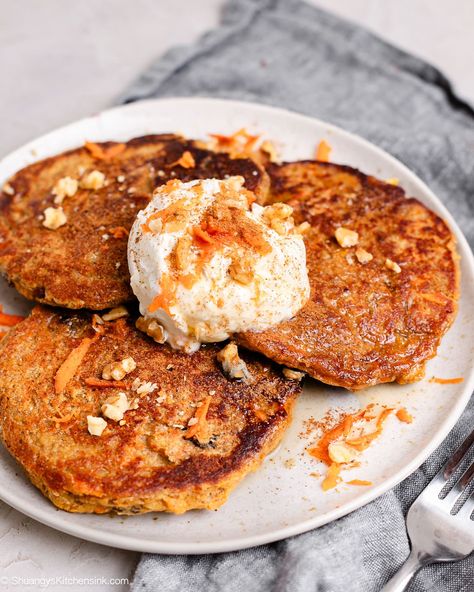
[(281, 499)]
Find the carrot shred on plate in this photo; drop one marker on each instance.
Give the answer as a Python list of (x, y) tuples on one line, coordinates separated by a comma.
[(323, 151), (332, 477), (200, 415), (359, 482), (99, 383), (447, 380), (403, 415)]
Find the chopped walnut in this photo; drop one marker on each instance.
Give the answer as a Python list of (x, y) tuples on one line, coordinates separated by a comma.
[(231, 362), (93, 180), (8, 189), (183, 252), (389, 264), (95, 425), (118, 370), (115, 313), (235, 182), (292, 374), (142, 387), (346, 238), (65, 187), (363, 256), (54, 218), (279, 217), (303, 228), (115, 406), (151, 328), (242, 268), (340, 452)]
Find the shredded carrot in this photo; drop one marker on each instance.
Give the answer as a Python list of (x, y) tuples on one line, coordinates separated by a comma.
[(340, 433), (63, 418), (9, 320), (104, 154), (447, 380), (436, 297), (166, 296), (2, 334), (97, 382), (186, 160), (118, 232), (332, 477), (200, 415), (323, 151), (403, 415), (359, 482), (70, 365), (202, 235), (320, 451), (364, 441)]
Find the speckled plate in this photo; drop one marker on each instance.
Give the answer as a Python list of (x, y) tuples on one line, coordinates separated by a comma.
[(281, 499)]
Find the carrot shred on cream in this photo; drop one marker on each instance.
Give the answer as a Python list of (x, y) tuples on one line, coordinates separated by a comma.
[(447, 380), (118, 232), (200, 415), (360, 482), (2, 334), (202, 236), (323, 151), (403, 415), (99, 383), (104, 154), (165, 298), (69, 367)]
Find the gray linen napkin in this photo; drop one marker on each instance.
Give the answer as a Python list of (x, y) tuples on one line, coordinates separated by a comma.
[(290, 54)]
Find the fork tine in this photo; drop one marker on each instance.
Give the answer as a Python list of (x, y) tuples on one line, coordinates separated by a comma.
[(459, 487), (467, 508), (457, 457)]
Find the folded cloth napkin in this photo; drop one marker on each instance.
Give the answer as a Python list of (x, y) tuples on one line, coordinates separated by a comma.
[(290, 54)]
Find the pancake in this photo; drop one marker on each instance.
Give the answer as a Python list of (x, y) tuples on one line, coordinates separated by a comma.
[(83, 263), (364, 323), (151, 462)]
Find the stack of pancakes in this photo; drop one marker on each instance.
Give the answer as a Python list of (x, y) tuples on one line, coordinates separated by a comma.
[(364, 324)]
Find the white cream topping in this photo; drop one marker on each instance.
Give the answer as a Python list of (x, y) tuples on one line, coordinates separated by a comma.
[(216, 305)]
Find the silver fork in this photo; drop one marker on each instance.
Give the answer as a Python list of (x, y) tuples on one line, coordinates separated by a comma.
[(436, 534)]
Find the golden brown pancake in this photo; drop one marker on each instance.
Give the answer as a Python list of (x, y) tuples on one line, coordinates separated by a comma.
[(365, 323), (152, 462), (83, 263)]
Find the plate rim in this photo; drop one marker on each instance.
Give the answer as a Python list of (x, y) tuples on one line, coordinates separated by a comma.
[(57, 519)]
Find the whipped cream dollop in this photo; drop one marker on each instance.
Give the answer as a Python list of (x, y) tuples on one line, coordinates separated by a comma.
[(206, 261)]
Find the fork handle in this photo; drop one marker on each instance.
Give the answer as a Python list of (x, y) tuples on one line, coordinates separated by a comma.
[(402, 578)]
